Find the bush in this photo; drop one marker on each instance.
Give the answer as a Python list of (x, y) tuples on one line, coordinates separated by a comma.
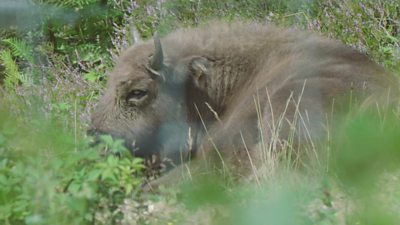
[(53, 66), (48, 176)]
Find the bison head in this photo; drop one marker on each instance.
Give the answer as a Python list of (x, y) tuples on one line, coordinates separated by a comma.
[(146, 100)]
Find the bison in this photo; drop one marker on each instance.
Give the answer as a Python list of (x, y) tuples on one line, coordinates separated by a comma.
[(233, 92)]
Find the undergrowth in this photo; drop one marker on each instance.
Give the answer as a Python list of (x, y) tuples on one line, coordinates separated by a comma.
[(52, 69), (50, 176)]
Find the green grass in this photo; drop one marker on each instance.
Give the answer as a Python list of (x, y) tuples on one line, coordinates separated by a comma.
[(49, 173)]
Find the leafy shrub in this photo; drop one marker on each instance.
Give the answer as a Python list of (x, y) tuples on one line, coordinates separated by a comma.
[(54, 72), (48, 176)]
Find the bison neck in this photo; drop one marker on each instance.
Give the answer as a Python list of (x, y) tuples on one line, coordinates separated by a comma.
[(227, 79)]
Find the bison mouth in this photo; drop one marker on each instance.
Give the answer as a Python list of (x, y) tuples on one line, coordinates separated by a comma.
[(155, 164), (160, 152)]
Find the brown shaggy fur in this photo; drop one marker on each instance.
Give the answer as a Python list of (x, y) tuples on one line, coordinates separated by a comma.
[(233, 89)]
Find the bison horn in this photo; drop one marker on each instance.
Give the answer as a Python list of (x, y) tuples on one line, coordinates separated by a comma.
[(157, 60)]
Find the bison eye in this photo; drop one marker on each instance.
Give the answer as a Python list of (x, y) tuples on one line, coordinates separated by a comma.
[(136, 96)]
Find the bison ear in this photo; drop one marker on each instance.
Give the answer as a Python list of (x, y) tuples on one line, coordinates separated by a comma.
[(200, 69)]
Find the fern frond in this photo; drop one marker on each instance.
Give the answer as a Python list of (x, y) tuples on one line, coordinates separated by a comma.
[(12, 75), (20, 48)]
